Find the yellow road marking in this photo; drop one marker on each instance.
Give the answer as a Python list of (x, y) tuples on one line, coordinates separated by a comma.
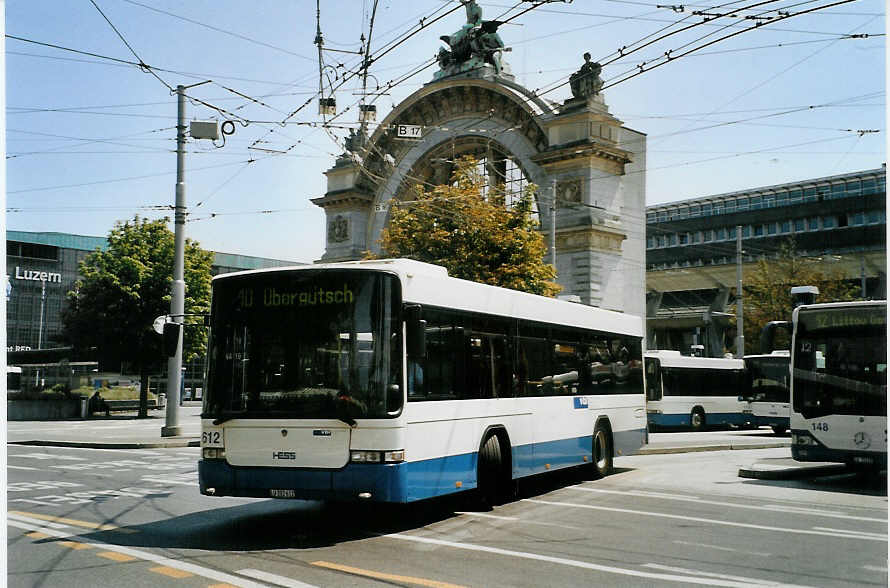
[(37, 535), (115, 556), (75, 522), (221, 586), (75, 544), (382, 576), (172, 572)]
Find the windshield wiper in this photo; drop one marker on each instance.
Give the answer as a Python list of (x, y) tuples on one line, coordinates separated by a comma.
[(220, 419)]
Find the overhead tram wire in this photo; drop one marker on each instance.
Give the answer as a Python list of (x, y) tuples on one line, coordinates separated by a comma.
[(142, 64)]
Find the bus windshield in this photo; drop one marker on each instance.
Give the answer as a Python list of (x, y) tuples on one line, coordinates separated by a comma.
[(840, 364), (305, 344), (768, 378)]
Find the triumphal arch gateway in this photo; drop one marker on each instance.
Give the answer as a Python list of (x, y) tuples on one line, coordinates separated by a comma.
[(574, 149)]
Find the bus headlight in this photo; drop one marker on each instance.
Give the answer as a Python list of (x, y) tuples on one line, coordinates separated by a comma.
[(213, 453), (802, 439), (365, 456)]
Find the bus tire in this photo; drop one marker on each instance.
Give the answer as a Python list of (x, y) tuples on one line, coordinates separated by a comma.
[(697, 419), (602, 451), (779, 429), (489, 472)]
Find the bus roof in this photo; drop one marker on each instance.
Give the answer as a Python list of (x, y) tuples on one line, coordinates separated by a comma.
[(428, 284), (669, 358)]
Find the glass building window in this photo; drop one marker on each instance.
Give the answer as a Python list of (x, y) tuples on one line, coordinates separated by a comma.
[(829, 222), (746, 231), (659, 241), (684, 238), (856, 218), (718, 208), (672, 239), (813, 223), (837, 191), (755, 202), (662, 215), (707, 235), (758, 230), (852, 187), (799, 225), (869, 186), (875, 216), (650, 242), (695, 210), (696, 237), (785, 226), (730, 205), (742, 203), (720, 234), (769, 201), (706, 210), (730, 232), (782, 199), (650, 217), (882, 184), (770, 228), (795, 196), (809, 195)]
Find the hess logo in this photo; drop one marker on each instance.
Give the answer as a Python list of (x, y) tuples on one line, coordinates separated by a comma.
[(284, 455)]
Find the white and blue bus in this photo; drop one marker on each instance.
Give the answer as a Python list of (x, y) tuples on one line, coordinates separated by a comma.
[(390, 381), (768, 390), (694, 392), (839, 383)]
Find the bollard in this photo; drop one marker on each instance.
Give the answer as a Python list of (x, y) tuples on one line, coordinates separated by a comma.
[(84, 407), (162, 400)]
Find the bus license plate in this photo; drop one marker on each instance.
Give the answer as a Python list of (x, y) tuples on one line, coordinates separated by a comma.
[(282, 493)]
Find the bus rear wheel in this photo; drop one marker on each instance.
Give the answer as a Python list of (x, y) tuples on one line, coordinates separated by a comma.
[(697, 419), (602, 451), (489, 472), (779, 429)]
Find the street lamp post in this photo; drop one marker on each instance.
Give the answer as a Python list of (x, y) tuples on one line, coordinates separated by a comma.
[(177, 299)]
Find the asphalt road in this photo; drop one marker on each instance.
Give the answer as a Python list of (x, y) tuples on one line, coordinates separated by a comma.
[(89, 517)]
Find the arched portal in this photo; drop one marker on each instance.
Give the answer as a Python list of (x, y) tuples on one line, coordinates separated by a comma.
[(575, 149)]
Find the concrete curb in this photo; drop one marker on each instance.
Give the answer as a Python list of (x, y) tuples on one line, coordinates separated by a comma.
[(792, 472), (720, 447), (190, 442)]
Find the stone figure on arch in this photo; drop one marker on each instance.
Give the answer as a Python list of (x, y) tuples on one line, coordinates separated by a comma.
[(586, 82)]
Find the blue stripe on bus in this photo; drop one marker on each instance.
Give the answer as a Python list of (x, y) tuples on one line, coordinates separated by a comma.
[(405, 482), (684, 420)]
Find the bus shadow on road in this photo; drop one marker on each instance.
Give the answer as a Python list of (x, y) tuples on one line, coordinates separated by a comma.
[(298, 524), (847, 482)]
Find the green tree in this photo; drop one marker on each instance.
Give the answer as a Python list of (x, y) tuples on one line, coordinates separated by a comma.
[(473, 234), (124, 288), (767, 290)]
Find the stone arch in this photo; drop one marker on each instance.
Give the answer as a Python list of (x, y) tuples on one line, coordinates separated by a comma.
[(455, 115)]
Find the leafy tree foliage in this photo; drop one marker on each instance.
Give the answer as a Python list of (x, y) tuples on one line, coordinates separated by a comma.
[(767, 291), (473, 234), (124, 288)]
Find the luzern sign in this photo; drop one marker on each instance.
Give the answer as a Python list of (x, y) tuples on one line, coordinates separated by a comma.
[(37, 276)]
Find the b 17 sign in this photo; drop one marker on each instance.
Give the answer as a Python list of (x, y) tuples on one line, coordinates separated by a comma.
[(409, 131)]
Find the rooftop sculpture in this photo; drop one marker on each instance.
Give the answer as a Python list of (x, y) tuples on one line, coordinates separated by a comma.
[(476, 46)]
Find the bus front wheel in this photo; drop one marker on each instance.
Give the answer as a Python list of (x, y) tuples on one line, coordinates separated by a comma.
[(602, 451), (697, 419), (779, 429)]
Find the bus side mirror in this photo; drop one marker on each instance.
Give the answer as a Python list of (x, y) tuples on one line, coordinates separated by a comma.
[(416, 332), (768, 335)]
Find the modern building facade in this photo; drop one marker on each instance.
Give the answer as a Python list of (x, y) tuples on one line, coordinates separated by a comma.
[(42, 268), (691, 248)]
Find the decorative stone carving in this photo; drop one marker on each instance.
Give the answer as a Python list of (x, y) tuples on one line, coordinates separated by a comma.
[(569, 191), (338, 229)]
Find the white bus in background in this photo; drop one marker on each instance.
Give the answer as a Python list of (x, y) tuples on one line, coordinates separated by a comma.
[(694, 392), (390, 381), (768, 392), (839, 383)]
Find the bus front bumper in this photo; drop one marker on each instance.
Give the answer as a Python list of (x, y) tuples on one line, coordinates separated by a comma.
[(354, 482)]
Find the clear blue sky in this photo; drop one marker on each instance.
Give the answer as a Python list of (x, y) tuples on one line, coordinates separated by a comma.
[(91, 140)]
